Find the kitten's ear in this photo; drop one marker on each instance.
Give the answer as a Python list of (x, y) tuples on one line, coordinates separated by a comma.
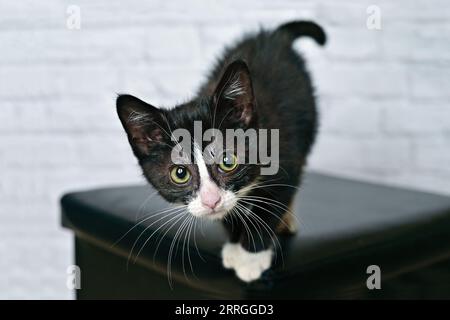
[(141, 121), (234, 94)]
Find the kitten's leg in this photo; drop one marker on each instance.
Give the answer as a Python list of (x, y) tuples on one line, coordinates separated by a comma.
[(249, 265), (248, 252), (288, 224), (258, 226), (231, 249), (230, 253), (255, 252)]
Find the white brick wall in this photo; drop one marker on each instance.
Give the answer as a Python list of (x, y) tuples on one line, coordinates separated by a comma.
[(383, 99)]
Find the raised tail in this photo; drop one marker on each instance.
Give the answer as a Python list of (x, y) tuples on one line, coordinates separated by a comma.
[(297, 29)]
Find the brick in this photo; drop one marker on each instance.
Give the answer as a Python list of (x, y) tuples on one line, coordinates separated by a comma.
[(161, 85), (60, 116), (49, 81), (352, 117), (364, 79), (418, 118), (433, 154), (430, 81), (420, 11), (63, 46), (413, 42), (174, 43), (36, 152), (49, 184), (107, 15), (29, 15), (343, 13), (376, 155), (352, 43)]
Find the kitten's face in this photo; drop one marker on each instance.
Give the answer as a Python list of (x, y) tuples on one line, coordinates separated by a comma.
[(208, 188)]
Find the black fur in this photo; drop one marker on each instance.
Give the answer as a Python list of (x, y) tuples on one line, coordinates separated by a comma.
[(279, 95)]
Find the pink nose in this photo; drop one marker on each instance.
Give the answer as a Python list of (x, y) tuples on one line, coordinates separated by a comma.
[(210, 198)]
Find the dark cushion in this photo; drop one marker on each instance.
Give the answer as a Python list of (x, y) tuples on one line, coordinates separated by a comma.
[(345, 227)]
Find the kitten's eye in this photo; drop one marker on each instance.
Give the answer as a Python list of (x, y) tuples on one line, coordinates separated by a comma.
[(180, 174), (229, 162)]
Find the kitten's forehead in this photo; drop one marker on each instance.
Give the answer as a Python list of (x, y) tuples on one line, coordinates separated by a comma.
[(185, 115), (200, 161)]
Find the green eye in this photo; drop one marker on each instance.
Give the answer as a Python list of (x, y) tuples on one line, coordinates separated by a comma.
[(180, 174), (229, 162)]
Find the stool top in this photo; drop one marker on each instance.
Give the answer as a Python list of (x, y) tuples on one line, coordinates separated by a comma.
[(343, 223)]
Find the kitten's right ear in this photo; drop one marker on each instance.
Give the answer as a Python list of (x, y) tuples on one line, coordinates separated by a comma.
[(234, 94), (141, 121)]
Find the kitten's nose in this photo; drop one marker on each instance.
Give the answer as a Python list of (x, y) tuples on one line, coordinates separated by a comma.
[(210, 198)]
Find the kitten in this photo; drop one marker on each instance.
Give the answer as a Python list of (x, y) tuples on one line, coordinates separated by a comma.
[(260, 82)]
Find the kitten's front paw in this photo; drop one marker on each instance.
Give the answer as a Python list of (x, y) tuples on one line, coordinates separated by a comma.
[(230, 253), (249, 266)]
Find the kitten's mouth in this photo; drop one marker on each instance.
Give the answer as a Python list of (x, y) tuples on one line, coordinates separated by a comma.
[(216, 214)]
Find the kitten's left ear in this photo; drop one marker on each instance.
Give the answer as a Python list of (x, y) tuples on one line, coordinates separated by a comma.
[(234, 94)]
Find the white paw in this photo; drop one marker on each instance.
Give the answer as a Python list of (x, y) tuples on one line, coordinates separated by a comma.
[(248, 265), (252, 265), (230, 251), (247, 273)]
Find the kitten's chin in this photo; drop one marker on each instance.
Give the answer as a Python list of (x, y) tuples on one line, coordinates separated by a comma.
[(216, 215)]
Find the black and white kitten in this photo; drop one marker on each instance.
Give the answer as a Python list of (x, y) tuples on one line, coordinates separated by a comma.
[(260, 82)]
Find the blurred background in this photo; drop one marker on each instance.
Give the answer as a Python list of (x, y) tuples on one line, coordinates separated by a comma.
[(383, 97)]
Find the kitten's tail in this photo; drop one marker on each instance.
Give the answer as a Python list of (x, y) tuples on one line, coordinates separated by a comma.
[(297, 29)]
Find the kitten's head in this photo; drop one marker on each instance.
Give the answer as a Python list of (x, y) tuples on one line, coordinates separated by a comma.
[(208, 188)]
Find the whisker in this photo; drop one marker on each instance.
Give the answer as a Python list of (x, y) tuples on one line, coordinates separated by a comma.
[(254, 184), (271, 233), (247, 229), (274, 185), (165, 233), (266, 210), (172, 246), (143, 204), (142, 221), (154, 232), (256, 229), (188, 246), (271, 202), (195, 241)]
